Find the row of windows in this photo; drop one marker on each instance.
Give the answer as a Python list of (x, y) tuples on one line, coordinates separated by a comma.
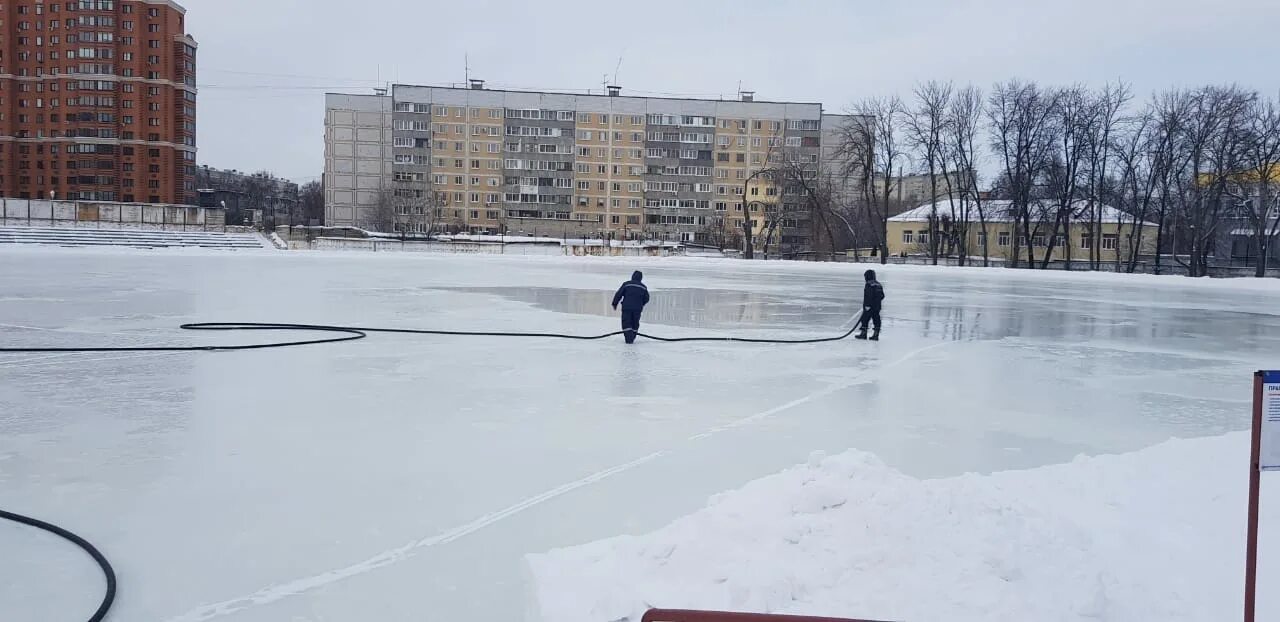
[(603, 118), (409, 142), (1004, 238), (89, 85), (83, 5)]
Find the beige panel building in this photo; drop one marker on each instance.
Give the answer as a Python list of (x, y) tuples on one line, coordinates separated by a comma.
[(606, 165)]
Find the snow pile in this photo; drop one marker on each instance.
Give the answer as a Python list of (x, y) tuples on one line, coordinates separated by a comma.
[(277, 242), (1153, 535)]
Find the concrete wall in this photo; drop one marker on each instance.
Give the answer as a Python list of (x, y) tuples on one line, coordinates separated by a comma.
[(93, 214)]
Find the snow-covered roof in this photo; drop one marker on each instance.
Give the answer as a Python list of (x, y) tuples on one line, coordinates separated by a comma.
[(999, 210)]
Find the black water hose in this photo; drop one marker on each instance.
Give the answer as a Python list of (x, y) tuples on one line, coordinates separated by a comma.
[(351, 333), (344, 333), (110, 596)]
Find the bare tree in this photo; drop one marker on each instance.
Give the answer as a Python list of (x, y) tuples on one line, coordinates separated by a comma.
[(1022, 136), (1141, 159), (311, 202), (259, 192), (1255, 186), (1214, 139), (383, 216), (964, 123), (803, 191), (1170, 111), (926, 128), (764, 173), (1075, 118), (1109, 106), (871, 146)]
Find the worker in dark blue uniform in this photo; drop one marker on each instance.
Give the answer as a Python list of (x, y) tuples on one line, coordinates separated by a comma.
[(872, 297), (634, 296)]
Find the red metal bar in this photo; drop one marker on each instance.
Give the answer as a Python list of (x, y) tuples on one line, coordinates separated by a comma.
[(686, 615), (1255, 470)]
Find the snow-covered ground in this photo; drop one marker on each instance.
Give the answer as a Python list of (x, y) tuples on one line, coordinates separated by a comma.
[(1152, 535), (406, 478)]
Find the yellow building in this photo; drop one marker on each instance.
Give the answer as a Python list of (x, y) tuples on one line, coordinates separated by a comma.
[(910, 233)]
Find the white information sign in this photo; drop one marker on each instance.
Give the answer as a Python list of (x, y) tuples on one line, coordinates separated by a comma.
[(1270, 456)]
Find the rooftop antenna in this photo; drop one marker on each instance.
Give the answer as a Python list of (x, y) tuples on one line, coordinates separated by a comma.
[(466, 67), (618, 68)]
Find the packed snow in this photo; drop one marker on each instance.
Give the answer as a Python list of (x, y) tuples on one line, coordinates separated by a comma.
[(407, 478), (1153, 535)]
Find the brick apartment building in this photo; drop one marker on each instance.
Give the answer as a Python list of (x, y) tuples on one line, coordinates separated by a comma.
[(97, 101), (492, 160)]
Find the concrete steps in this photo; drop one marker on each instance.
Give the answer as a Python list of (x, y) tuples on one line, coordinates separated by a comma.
[(134, 238)]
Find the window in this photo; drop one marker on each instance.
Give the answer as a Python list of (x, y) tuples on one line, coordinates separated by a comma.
[(1109, 241), (755, 142), (1002, 238), (923, 238), (584, 135), (755, 125), (1086, 242), (982, 238), (907, 237), (702, 188), (1037, 240)]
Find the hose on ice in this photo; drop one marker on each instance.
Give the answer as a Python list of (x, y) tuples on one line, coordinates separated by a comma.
[(339, 334), (351, 333), (108, 572)]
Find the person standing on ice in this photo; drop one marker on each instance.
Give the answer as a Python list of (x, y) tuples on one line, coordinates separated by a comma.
[(872, 297), (634, 296)]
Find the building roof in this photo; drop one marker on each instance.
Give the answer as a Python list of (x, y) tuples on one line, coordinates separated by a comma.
[(999, 210)]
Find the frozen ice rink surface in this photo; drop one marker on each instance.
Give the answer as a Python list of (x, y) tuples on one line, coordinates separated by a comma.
[(404, 478)]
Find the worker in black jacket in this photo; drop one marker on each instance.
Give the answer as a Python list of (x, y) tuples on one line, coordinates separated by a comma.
[(872, 297), (634, 296)]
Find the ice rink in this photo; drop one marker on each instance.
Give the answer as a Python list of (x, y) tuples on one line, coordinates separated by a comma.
[(405, 478)]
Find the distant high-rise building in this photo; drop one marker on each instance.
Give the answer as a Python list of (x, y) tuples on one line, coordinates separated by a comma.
[(97, 101), (474, 159)]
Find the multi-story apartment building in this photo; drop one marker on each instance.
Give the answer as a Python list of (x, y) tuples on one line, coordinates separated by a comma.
[(492, 160), (97, 101)]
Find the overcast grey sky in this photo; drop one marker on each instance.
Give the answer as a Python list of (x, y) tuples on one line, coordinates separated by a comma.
[(264, 65)]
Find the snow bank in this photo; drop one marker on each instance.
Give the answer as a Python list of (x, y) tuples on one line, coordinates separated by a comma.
[(1153, 535)]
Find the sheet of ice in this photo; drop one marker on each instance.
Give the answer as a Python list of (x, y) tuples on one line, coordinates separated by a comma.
[(403, 478), (1152, 535)]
